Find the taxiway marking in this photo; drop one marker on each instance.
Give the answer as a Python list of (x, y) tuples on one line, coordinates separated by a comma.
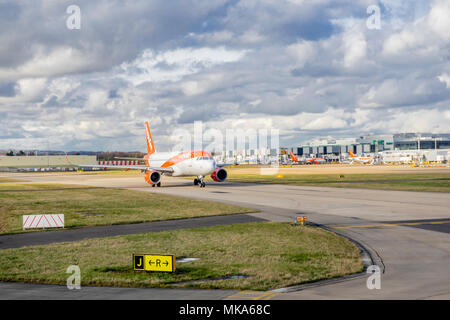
[(391, 224), (253, 295)]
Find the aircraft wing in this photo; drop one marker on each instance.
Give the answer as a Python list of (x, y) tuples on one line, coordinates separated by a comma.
[(159, 169), (220, 165)]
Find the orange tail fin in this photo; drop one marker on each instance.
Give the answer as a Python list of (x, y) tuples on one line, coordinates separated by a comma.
[(148, 136), (352, 155), (294, 158)]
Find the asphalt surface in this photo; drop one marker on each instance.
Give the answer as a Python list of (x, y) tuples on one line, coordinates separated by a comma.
[(405, 233), (27, 291)]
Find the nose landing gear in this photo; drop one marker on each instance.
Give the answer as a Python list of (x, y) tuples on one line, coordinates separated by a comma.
[(199, 182)]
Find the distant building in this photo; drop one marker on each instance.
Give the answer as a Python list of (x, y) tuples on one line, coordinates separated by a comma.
[(44, 161), (421, 141), (373, 144)]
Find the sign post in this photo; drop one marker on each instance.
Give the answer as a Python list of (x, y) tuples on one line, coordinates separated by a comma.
[(302, 220)]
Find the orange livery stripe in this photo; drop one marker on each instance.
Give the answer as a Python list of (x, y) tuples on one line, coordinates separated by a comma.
[(184, 156)]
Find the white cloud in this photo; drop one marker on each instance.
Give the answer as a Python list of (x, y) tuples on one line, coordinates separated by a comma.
[(438, 18), (29, 90), (355, 47), (251, 36), (427, 36), (422, 120), (60, 87), (173, 65), (445, 78), (47, 64), (302, 52)]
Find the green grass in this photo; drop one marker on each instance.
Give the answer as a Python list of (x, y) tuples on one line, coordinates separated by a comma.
[(5, 180), (99, 206), (435, 182), (5, 187), (272, 255)]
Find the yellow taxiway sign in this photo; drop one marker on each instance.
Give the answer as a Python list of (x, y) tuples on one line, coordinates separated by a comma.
[(154, 262)]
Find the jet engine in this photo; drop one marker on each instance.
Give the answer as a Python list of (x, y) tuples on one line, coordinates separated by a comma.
[(152, 177), (219, 175)]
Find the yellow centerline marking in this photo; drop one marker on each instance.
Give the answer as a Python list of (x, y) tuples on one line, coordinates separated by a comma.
[(257, 295), (272, 295), (391, 224), (265, 294)]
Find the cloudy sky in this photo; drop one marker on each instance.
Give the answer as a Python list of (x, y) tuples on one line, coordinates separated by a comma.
[(310, 68)]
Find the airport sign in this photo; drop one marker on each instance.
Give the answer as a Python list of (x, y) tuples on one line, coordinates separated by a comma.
[(42, 221), (154, 262)]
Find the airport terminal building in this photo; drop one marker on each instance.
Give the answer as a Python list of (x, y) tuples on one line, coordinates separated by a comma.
[(374, 144), (401, 147)]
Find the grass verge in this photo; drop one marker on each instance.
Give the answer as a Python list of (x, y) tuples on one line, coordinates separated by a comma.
[(6, 187), (99, 206), (435, 182), (6, 180), (272, 255)]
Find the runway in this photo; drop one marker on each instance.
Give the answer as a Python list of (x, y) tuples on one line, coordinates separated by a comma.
[(407, 233)]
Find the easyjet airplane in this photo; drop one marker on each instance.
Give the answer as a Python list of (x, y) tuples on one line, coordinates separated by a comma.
[(311, 160), (176, 164), (364, 160)]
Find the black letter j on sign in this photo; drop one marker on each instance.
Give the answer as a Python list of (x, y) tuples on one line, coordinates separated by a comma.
[(139, 262)]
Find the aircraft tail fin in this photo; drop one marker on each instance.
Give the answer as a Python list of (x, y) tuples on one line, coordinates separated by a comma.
[(293, 157), (148, 136), (352, 155), (67, 159)]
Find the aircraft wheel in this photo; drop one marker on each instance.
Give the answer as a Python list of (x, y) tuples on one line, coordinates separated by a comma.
[(203, 184), (195, 182), (159, 184)]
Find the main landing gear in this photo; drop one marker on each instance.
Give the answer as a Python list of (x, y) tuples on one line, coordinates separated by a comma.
[(199, 182), (156, 185)]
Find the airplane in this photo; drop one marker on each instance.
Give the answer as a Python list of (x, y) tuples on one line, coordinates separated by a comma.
[(363, 160), (176, 164), (309, 160)]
